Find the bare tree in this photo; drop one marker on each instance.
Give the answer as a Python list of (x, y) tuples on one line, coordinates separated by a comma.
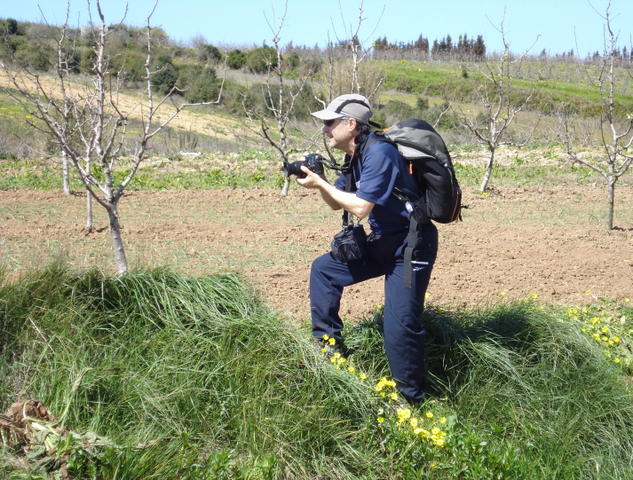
[(616, 129), (352, 73), (500, 107), (281, 97), (89, 126), (62, 66)]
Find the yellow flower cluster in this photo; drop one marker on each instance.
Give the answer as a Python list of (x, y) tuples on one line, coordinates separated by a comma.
[(605, 330), (386, 388), (422, 427), (425, 427), (338, 360)]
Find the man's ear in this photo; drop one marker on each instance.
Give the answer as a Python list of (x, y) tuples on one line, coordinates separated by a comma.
[(352, 123)]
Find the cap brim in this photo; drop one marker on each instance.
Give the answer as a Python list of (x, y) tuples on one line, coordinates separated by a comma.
[(326, 115)]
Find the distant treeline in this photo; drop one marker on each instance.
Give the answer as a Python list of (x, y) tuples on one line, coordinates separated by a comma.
[(465, 47)]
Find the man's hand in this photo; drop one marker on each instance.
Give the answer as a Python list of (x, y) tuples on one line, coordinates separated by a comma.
[(334, 197), (311, 180)]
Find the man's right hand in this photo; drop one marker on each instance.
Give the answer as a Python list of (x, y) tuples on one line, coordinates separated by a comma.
[(311, 180)]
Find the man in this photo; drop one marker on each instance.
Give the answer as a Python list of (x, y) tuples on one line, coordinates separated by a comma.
[(377, 169)]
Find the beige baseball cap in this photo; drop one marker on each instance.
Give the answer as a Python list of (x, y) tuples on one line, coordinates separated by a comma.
[(349, 105)]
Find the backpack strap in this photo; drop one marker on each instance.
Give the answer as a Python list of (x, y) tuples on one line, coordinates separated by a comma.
[(412, 240)]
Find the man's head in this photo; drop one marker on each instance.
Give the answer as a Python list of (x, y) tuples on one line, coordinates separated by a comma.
[(350, 105), (343, 119)]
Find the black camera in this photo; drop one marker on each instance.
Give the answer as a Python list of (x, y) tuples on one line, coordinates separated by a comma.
[(313, 161)]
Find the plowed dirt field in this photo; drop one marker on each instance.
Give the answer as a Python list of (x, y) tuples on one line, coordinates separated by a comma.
[(516, 243)]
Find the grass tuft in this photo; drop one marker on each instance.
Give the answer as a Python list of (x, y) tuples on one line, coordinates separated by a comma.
[(195, 378)]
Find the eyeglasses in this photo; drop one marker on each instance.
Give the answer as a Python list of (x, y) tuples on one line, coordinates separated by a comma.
[(329, 123)]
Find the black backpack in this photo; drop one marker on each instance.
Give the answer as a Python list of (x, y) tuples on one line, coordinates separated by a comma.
[(430, 164)]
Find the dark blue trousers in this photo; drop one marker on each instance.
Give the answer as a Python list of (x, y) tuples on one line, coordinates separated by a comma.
[(404, 333)]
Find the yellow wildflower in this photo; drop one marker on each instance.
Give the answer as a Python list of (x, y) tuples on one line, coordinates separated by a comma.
[(403, 414), (428, 414), (380, 419), (422, 432), (443, 420)]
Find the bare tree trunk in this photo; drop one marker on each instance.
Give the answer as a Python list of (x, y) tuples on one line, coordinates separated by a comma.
[(65, 174), (488, 172), (610, 201), (284, 189), (117, 240), (89, 223), (89, 213)]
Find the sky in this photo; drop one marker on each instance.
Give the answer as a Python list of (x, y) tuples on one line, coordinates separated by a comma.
[(555, 26)]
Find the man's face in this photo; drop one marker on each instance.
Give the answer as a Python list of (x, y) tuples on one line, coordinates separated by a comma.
[(340, 133)]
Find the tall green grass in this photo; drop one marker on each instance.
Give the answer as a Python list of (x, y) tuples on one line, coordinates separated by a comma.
[(197, 379)]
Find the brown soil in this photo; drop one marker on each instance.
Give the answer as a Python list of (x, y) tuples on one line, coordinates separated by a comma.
[(511, 245)]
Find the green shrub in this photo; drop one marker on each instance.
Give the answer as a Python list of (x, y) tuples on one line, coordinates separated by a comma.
[(236, 59), (291, 61), (11, 26), (165, 77), (261, 60), (39, 57), (88, 57), (204, 87), (209, 54), (130, 65)]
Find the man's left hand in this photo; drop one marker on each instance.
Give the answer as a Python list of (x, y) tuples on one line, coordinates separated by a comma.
[(311, 180)]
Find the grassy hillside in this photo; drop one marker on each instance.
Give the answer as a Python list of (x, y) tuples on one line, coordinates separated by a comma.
[(551, 87), (194, 379)]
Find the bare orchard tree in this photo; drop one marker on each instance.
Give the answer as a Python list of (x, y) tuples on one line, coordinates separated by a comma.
[(500, 106), (615, 126), (62, 67), (351, 73), (281, 97), (89, 126)]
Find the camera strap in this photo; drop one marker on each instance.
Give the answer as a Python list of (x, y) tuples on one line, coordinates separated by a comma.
[(349, 183)]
